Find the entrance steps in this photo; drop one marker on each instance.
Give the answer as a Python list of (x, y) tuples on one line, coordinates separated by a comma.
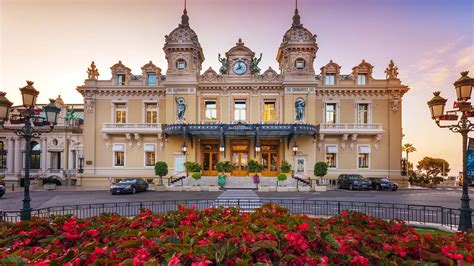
[(240, 182)]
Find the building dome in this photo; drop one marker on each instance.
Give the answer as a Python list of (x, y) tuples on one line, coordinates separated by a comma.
[(183, 34), (298, 34)]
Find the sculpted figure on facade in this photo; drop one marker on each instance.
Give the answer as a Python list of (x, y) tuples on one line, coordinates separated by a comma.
[(225, 65), (181, 107), (92, 72), (391, 71), (299, 108), (254, 69)]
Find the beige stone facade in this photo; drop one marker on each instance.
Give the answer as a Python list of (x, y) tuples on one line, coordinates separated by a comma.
[(353, 121)]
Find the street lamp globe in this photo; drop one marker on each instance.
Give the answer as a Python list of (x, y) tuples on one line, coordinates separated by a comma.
[(184, 148), (5, 106), (51, 111), (463, 86), (221, 147), (29, 94), (257, 147), (295, 148), (436, 105)]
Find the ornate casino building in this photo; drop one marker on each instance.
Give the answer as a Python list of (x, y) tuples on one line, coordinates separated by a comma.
[(241, 112)]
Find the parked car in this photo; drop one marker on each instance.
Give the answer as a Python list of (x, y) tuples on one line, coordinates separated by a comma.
[(2, 190), (353, 181), (383, 183), (129, 185)]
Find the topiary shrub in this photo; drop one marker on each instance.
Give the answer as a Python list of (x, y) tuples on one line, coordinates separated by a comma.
[(196, 175), (320, 170), (285, 167), (192, 167), (281, 177), (161, 169)]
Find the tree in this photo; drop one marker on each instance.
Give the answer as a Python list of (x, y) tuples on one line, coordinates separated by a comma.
[(161, 169), (431, 168), (320, 170), (408, 148)]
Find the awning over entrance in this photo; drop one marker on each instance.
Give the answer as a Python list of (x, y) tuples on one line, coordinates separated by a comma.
[(240, 130)]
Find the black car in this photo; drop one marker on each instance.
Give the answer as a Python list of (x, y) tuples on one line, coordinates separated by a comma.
[(353, 181), (2, 190), (129, 185), (383, 183)]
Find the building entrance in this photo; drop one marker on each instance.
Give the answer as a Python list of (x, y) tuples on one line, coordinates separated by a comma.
[(269, 158), (240, 157), (210, 158)]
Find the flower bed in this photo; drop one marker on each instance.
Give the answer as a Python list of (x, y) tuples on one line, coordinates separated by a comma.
[(224, 236)]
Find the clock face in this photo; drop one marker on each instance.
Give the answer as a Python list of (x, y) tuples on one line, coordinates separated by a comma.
[(239, 68)]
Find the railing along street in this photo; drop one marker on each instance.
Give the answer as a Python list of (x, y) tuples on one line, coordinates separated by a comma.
[(422, 214)]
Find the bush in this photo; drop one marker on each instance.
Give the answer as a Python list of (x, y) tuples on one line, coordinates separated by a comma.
[(268, 236), (224, 167), (51, 180), (320, 169), (192, 167), (161, 169), (196, 175), (254, 166), (281, 177), (285, 167)]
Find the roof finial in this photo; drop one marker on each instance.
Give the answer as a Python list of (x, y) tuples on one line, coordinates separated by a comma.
[(296, 5), (184, 17), (296, 17)]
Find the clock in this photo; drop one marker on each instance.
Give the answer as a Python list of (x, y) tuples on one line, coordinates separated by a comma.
[(239, 68)]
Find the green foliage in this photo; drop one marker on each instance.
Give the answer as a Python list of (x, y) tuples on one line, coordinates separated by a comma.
[(254, 166), (51, 180), (224, 167), (192, 167), (285, 167), (320, 169), (196, 175), (281, 177), (161, 169), (430, 170)]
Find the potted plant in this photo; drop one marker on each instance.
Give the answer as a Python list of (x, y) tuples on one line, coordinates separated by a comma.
[(255, 167), (221, 178), (320, 170), (285, 167), (50, 183), (161, 169), (192, 167), (281, 177), (196, 176)]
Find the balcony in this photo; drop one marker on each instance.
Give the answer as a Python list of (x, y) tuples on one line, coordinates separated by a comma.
[(140, 128), (350, 128)]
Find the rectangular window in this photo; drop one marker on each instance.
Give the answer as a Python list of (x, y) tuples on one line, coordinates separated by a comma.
[(150, 155), (269, 110), (151, 79), (240, 110), (119, 154), (361, 79), (330, 113), (120, 113), (363, 154), (363, 113), (331, 156), (151, 111), (210, 110), (329, 79), (120, 79)]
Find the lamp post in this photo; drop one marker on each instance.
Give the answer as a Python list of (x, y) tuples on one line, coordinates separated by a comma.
[(33, 125), (184, 148), (81, 165), (295, 148), (460, 125)]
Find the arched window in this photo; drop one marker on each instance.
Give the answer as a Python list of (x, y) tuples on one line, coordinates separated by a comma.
[(180, 64), (3, 156), (35, 162), (300, 63)]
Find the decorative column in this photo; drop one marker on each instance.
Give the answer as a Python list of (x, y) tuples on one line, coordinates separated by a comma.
[(10, 152), (18, 156), (44, 155)]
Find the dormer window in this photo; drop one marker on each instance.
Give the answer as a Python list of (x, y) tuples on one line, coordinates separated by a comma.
[(151, 79), (330, 79), (120, 79), (361, 79), (180, 64), (300, 63)]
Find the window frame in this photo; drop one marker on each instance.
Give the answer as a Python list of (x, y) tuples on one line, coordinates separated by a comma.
[(336, 112), (275, 100), (336, 157), (203, 108), (359, 81), (369, 112), (333, 75), (145, 112), (148, 75), (177, 64), (145, 155), (123, 82), (114, 112), (114, 158), (368, 159), (298, 60)]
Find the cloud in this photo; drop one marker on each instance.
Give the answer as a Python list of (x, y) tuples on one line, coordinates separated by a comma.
[(465, 58)]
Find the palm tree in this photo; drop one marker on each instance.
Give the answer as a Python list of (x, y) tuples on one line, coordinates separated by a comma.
[(408, 147)]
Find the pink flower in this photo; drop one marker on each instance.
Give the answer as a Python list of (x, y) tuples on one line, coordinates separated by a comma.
[(174, 261), (303, 227), (296, 240), (360, 260)]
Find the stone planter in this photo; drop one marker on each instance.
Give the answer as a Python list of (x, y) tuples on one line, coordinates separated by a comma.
[(304, 189), (160, 188), (320, 188), (213, 188), (195, 188), (49, 186)]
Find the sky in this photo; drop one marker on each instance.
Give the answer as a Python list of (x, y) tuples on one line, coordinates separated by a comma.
[(52, 42)]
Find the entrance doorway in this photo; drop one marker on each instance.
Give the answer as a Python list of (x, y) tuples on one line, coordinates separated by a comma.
[(269, 158), (210, 157), (240, 157)]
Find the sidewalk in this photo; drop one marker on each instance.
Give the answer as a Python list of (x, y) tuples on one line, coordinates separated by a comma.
[(58, 188)]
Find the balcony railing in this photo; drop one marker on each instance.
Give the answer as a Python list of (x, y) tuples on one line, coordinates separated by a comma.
[(350, 128), (144, 128)]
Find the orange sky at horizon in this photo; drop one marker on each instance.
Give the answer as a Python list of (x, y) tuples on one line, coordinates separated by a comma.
[(52, 42)]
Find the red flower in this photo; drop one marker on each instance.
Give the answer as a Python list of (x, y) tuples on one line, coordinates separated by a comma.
[(174, 261), (296, 240), (93, 233), (360, 260), (303, 227)]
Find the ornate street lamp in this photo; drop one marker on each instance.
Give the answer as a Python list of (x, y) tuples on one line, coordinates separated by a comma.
[(81, 165), (295, 148), (184, 148), (463, 126), (28, 131), (257, 147)]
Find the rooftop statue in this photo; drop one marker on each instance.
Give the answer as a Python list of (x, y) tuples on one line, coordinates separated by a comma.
[(225, 65), (254, 69), (391, 71), (92, 72)]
